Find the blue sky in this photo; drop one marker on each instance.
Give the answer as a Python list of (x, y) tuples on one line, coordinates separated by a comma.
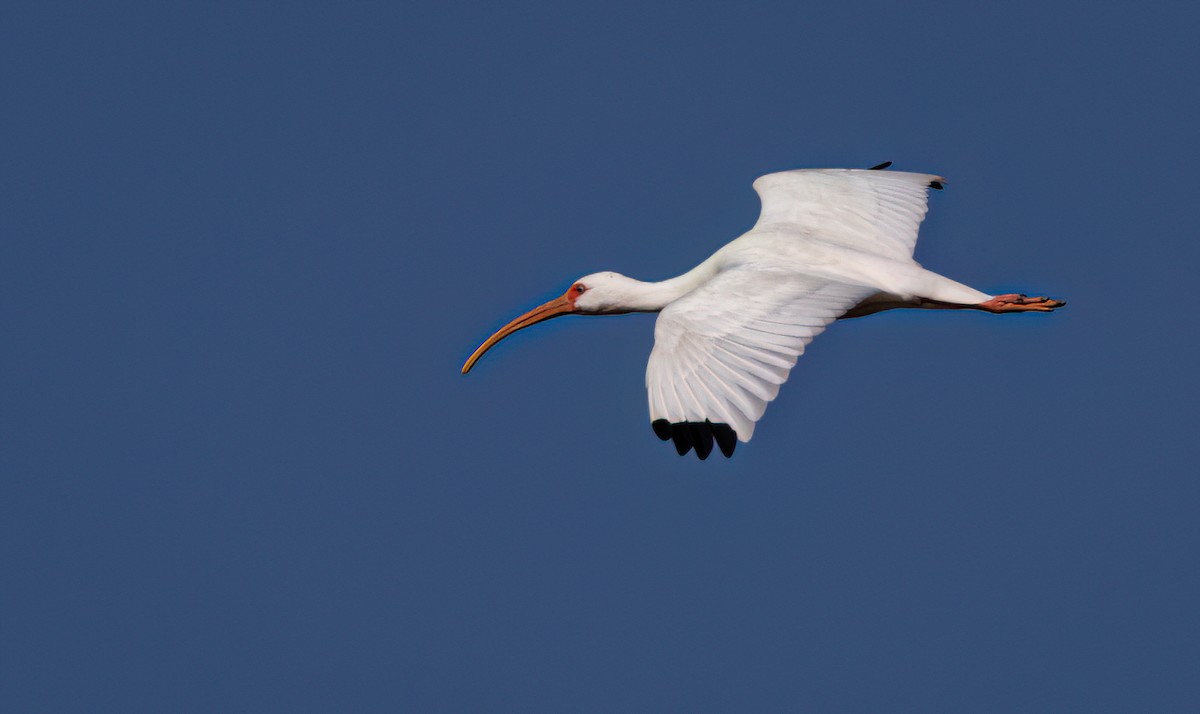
[(247, 248)]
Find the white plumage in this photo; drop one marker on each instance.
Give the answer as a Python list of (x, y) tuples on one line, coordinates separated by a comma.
[(828, 243), (876, 211), (722, 351)]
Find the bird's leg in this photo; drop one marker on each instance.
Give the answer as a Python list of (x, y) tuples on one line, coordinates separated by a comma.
[(911, 286), (887, 301), (997, 305), (1015, 302), (878, 303)]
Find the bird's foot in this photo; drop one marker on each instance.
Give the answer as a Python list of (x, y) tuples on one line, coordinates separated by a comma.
[(1015, 302)]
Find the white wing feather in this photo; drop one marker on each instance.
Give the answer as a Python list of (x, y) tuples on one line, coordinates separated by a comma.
[(825, 240), (722, 351), (874, 211)]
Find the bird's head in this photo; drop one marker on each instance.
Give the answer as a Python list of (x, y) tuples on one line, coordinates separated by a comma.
[(604, 293)]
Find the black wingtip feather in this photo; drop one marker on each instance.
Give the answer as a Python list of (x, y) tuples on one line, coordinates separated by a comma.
[(936, 184), (880, 167), (702, 438), (698, 435), (682, 436), (726, 439)]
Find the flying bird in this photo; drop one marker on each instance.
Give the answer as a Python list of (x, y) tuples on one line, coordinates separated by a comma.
[(828, 244)]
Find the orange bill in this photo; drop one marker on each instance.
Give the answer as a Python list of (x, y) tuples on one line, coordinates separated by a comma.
[(559, 306)]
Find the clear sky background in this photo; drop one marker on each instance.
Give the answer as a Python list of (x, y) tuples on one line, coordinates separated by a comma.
[(246, 248)]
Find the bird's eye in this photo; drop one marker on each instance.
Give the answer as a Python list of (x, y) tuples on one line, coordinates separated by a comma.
[(579, 288)]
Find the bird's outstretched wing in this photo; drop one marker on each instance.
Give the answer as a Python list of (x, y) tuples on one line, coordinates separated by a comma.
[(721, 352), (865, 209)]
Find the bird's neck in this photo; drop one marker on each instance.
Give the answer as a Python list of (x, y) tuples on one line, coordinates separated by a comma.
[(652, 297)]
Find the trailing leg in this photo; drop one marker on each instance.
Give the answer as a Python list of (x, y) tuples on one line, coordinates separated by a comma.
[(1015, 302), (925, 289)]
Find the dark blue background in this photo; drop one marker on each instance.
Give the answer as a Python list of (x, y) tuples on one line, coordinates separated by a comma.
[(245, 249)]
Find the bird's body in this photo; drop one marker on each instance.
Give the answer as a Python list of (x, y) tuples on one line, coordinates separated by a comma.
[(829, 243)]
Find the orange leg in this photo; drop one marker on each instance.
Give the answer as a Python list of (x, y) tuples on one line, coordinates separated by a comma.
[(1014, 302), (999, 304)]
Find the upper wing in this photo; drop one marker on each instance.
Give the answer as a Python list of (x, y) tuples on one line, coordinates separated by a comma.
[(721, 352), (875, 211)]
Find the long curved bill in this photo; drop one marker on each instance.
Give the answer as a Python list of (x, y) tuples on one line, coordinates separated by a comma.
[(554, 308)]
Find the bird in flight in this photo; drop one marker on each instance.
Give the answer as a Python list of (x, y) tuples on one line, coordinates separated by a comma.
[(828, 244)]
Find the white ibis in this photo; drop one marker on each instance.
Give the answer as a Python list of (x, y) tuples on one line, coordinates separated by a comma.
[(828, 244)]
